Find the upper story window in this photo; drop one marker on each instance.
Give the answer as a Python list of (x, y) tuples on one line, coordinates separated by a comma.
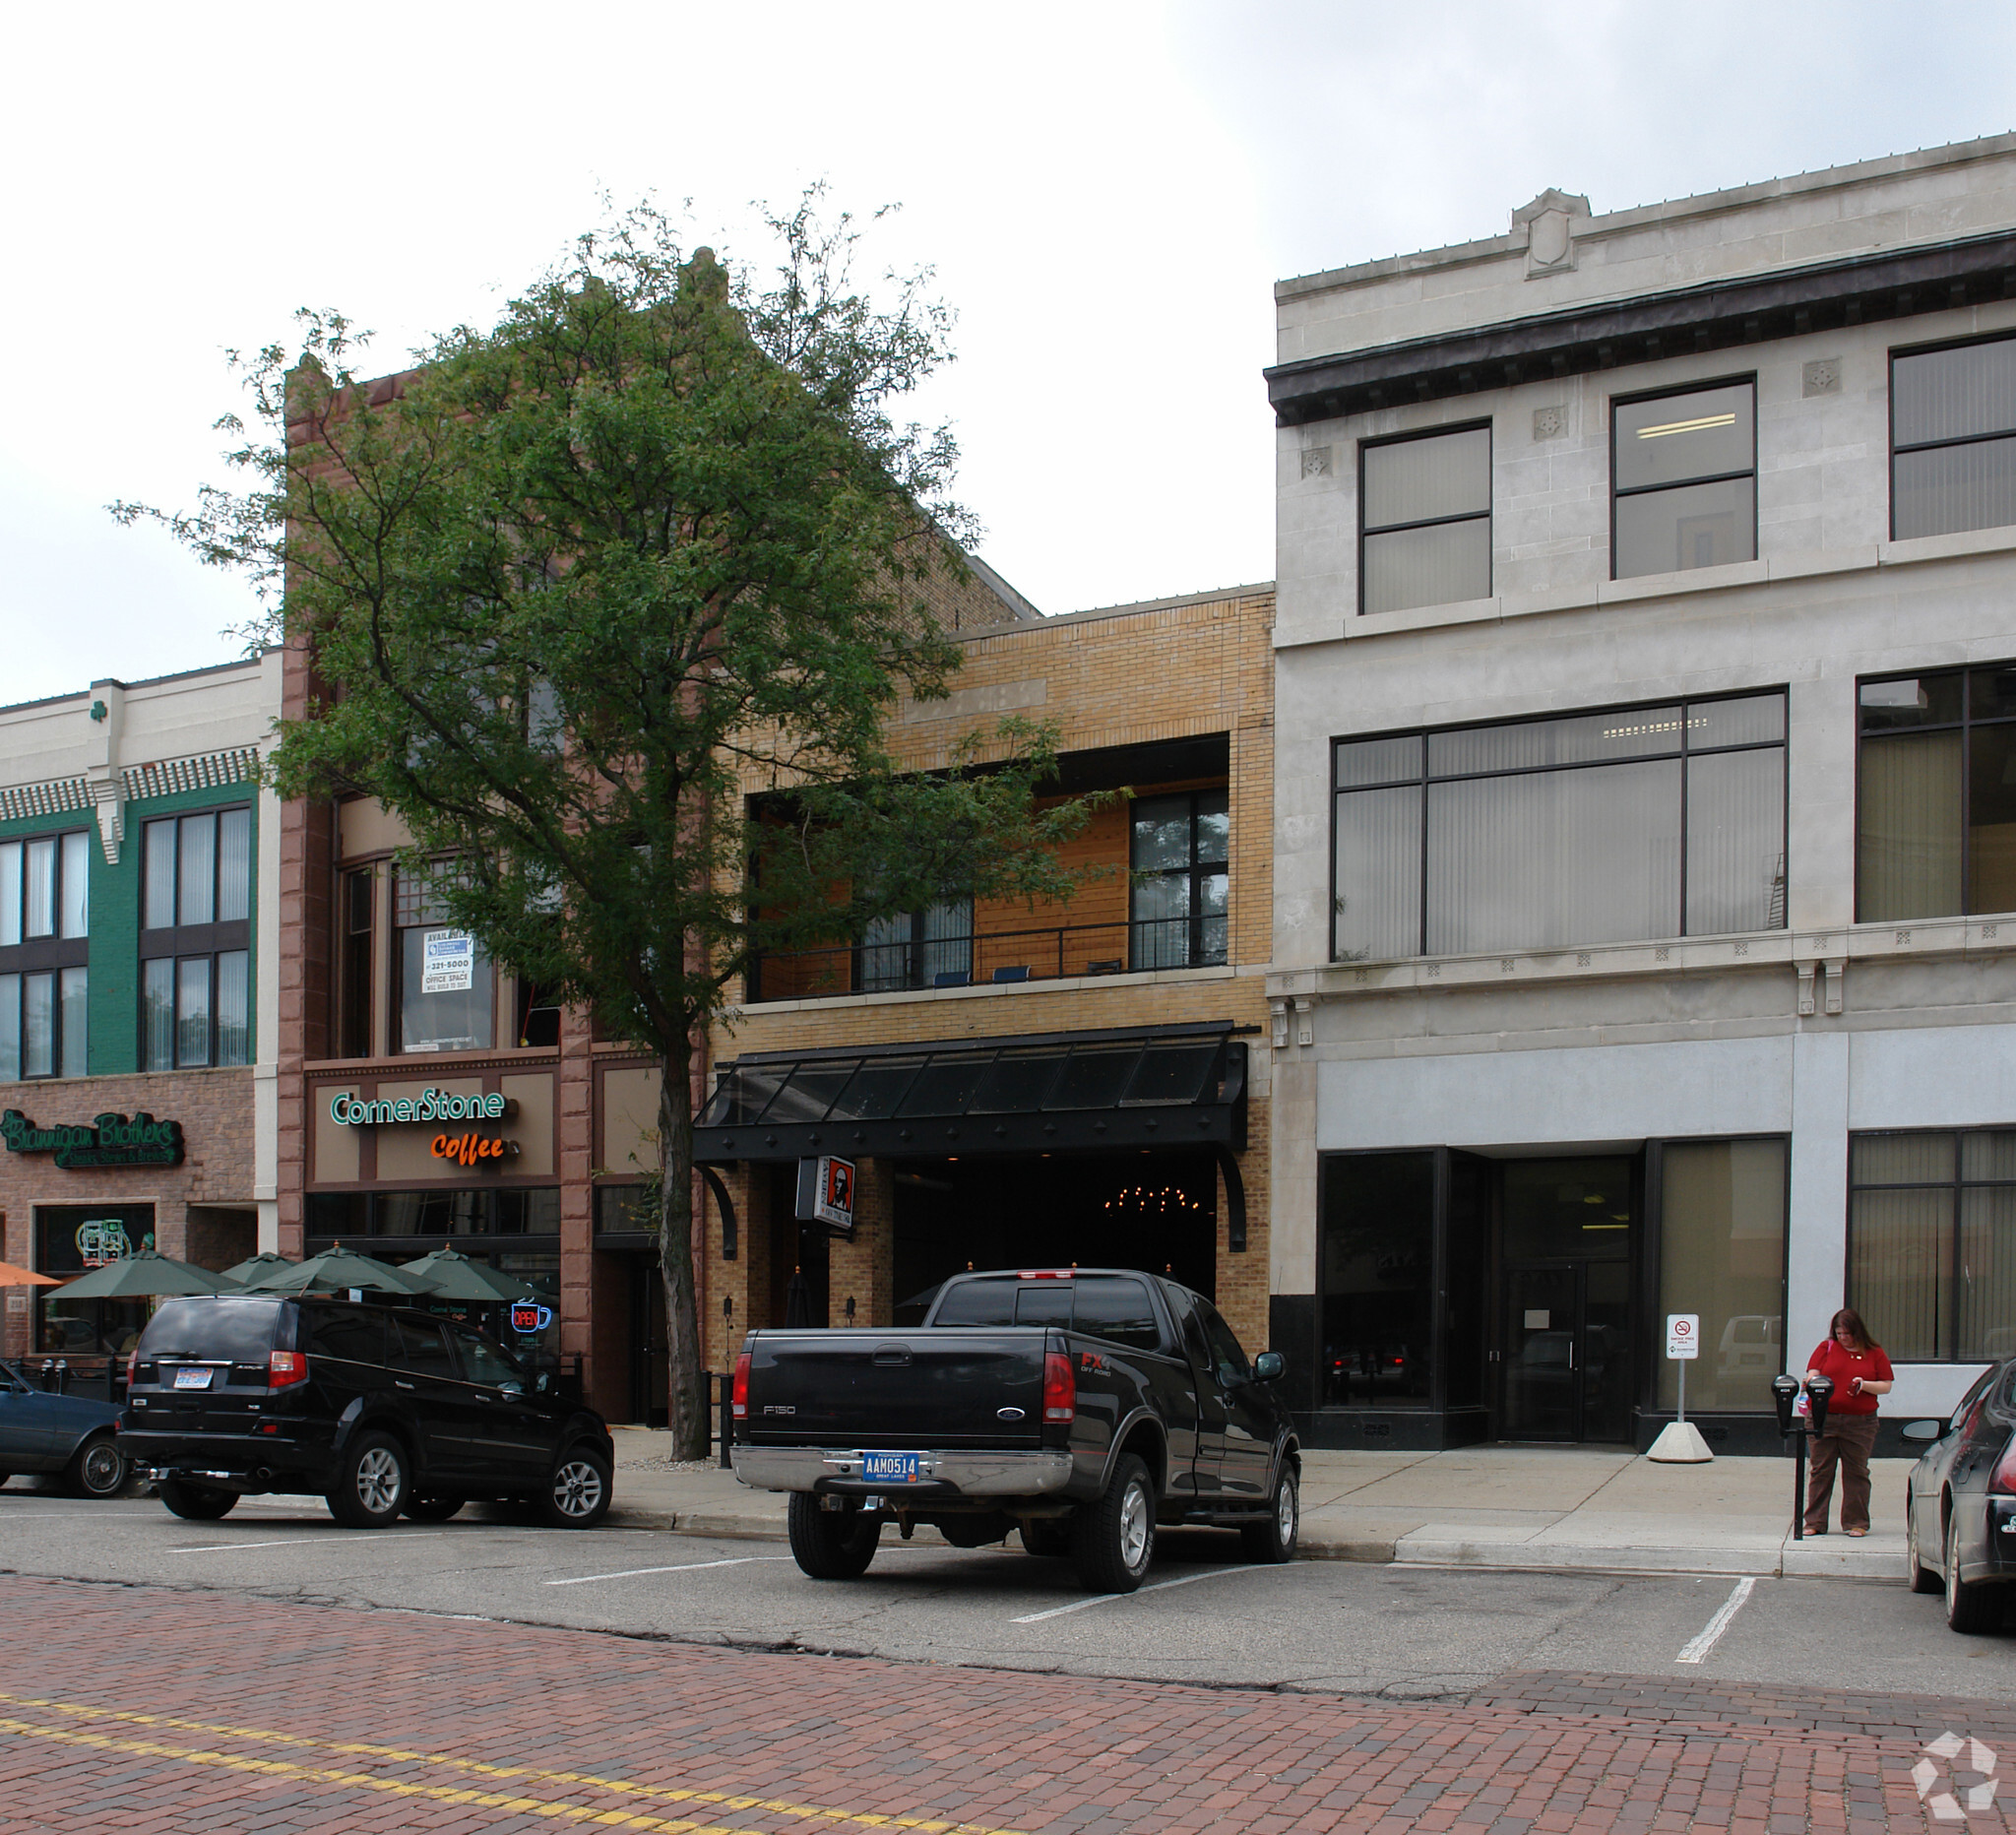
[(1953, 438), (1935, 828), (447, 996), (931, 948), (1594, 828), (1684, 477), (44, 930), (1180, 879), (195, 940), (1425, 520)]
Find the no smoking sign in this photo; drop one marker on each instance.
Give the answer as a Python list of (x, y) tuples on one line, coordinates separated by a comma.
[(1683, 1333)]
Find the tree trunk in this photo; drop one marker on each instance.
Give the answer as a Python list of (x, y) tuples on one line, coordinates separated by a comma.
[(686, 1403)]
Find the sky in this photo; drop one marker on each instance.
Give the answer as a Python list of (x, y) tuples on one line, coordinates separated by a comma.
[(1106, 193)]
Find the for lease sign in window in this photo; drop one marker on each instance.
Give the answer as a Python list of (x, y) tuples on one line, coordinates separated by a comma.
[(448, 966)]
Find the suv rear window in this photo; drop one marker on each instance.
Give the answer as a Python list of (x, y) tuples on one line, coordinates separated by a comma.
[(213, 1330)]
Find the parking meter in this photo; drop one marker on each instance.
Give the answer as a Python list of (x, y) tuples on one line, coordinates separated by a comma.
[(1820, 1390), (1784, 1391)]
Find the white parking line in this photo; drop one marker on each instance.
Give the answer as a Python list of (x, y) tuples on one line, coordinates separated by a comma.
[(289, 1542), (683, 1568), (1113, 1599), (1711, 1632)]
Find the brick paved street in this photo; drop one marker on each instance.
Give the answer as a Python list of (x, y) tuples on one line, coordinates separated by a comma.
[(157, 1712)]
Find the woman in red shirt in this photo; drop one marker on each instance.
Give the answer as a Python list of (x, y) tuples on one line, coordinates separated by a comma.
[(1860, 1373)]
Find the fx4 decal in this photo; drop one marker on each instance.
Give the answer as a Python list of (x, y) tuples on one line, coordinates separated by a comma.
[(1092, 1361)]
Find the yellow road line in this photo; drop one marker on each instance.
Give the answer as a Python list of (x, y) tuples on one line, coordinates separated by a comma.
[(532, 1774), (364, 1781)]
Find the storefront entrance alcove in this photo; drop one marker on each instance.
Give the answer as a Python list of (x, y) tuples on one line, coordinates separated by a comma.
[(1564, 1350), (1156, 1210)]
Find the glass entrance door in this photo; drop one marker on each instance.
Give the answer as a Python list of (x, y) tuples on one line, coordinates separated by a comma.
[(1565, 1334)]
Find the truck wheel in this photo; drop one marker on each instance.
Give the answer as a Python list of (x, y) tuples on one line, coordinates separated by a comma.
[(831, 1545), (198, 1503), (1273, 1538), (370, 1484), (1114, 1540), (1048, 1535)]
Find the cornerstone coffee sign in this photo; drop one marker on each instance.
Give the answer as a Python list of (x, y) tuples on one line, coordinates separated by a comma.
[(110, 1140), (353, 1111)]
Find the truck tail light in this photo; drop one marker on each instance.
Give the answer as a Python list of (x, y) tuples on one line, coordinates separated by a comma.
[(2005, 1473), (285, 1369), (1060, 1388), (739, 1407)]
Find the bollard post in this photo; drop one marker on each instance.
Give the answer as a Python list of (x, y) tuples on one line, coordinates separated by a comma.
[(728, 1419)]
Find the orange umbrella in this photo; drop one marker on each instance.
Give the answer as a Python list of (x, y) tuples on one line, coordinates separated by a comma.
[(10, 1276)]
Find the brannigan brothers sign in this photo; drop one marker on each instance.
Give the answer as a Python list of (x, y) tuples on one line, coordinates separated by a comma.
[(107, 1141)]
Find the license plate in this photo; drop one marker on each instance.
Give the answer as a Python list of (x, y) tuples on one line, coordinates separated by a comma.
[(889, 1468), (193, 1379)]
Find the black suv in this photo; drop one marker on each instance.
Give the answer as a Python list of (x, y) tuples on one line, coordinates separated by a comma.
[(377, 1409)]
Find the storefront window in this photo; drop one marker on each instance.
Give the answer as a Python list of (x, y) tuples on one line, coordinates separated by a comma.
[(71, 1240), (446, 992), (1377, 1280), (1722, 1255)]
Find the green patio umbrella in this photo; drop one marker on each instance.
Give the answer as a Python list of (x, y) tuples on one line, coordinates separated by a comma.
[(446, 1275), (333, 1270), (248, 1270), (145, 1272)]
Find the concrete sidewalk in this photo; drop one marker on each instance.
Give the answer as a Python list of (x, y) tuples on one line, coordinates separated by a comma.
[(1556, 1508)]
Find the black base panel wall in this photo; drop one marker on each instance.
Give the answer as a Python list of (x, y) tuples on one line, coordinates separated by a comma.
[(1292, 1330), (1391, 1431)]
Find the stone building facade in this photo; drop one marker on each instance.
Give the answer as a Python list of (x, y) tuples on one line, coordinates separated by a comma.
[(1642, 934)]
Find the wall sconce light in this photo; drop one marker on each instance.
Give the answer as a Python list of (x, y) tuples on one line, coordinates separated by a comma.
[(849, 1308)]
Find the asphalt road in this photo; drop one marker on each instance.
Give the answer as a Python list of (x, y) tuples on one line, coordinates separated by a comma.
[(1401, 1632)]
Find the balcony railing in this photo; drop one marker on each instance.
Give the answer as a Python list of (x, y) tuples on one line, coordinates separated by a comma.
[(1131, 946)]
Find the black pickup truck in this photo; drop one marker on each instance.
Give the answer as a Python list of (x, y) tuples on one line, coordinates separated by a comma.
[(1080, 1406)]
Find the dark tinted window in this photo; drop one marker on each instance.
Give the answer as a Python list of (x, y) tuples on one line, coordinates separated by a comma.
[(483, 1361), (976, 1302), (1226, 1354), (425, 1349), (354, 1337), (1043, 1302), (242, 1330), (1110, 1308)]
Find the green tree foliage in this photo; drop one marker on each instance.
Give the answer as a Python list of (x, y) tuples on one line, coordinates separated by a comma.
[(572, 583)]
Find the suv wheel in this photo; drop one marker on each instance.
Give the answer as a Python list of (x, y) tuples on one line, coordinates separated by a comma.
[(199, 1503), (831, 1545), (1273, 1538), (577, 1495), (371, 1482), (1114, 1538)]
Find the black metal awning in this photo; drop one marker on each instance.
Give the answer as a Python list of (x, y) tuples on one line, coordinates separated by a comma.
[(1162, 1086)]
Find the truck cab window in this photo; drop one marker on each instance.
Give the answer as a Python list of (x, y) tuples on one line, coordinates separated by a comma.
[(1119, 1310)]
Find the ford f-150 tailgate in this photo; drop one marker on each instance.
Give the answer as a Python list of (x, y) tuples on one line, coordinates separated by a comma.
[(973, 1387)]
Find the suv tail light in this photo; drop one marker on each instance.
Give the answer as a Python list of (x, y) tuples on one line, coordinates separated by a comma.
[(739, 1407), (285, 1369), (2005, 1472), (132, 1368), (1060, 1388)]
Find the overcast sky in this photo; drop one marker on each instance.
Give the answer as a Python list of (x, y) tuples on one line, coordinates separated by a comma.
[(1108, 192)]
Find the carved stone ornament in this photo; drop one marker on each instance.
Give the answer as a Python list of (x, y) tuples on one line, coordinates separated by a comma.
[(1822, 376), (1549, 224), (1549, 423), (1315, 461)]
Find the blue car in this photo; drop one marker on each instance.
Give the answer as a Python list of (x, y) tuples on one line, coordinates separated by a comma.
[(59, 1434)]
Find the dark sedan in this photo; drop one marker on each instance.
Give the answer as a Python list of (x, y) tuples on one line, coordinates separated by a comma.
[(60, 1434), (1960, 1503)]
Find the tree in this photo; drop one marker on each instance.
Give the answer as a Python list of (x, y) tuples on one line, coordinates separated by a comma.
[(572, 582)]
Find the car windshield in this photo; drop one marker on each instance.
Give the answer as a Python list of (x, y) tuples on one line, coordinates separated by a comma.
[(239, 1330)]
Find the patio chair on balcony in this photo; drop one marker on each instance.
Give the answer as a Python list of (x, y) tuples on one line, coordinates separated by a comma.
[(952, 977), (1015, 972), (1105, 965)]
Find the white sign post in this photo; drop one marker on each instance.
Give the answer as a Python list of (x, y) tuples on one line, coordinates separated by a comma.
[(1678, 1443)]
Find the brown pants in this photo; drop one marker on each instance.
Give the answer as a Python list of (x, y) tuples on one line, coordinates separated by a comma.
[(1848, 1442)]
